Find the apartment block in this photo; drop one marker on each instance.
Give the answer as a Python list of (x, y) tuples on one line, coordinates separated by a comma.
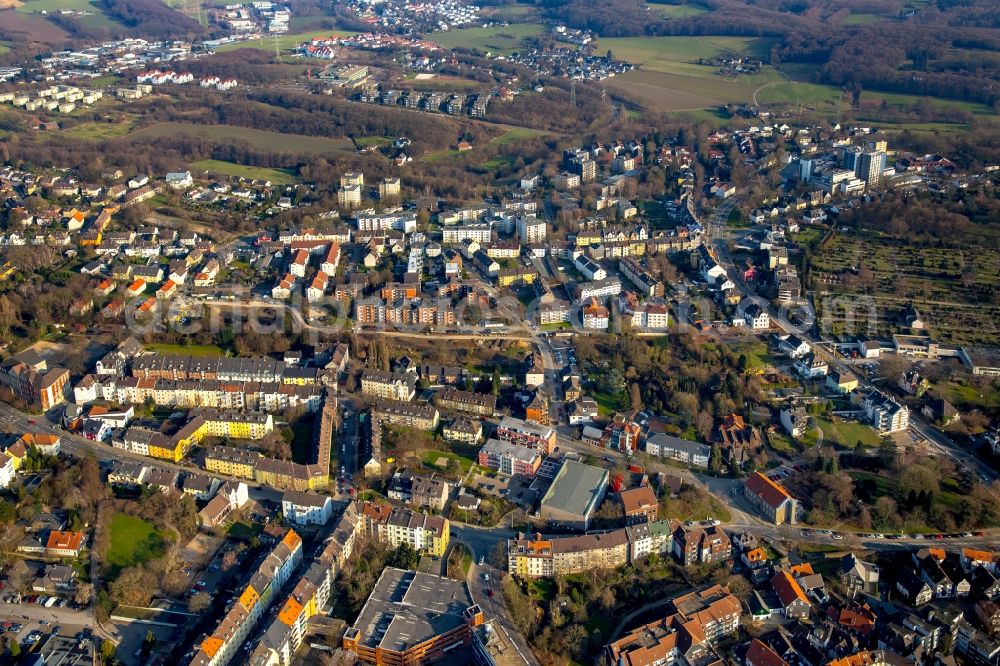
[(469, 402), (389, 385)]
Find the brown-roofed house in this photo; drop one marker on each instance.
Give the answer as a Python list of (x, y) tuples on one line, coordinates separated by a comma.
[(640, 505)]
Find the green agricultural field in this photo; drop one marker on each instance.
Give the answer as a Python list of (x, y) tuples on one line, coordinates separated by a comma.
[(4, 47), (679, 55), (676, 11), (193, 350), (96, 19), (133, 541), (218, 167), (496, 40), (806, 94), (674, 92), (94, 131), (284, 42), (261, 139)]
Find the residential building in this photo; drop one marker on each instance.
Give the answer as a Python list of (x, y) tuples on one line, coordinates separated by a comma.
[(427, 534), (858, 576), (510, 458), (409, 415), (64, 544), (306, 508), (30, 378), (534, 436), (639, 505), (389, 385), (430, 492), (757, 318), (886, 415), (545, 557), (224, 640), (793, 600), (463, 431), (701, 545), (690, 453), (480, 404)]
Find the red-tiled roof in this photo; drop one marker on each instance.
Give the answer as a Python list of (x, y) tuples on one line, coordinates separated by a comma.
[(787, 589), (760, 654), (769, 491)]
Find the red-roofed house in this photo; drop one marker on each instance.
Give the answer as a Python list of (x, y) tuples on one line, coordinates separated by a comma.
[(64, 544), (760, 654), (771, 500), (136, 287), (793, 600)]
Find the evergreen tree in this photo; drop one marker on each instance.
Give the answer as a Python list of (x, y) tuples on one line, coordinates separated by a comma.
[(715, 458)]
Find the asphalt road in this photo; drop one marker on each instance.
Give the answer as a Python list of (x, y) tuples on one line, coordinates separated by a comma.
[(493, 606)]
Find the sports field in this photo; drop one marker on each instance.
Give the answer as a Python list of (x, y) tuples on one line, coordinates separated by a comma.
[(261, 139)]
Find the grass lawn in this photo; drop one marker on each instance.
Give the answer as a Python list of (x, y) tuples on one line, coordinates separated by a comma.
[(243, 529), (261, 139), (497, 40), (285, 42), (847, 433), (782, 443), (193, 350), (133, 541), (280, 176), (372, 140), (609, 404), (4, 47), (969, 397), (557, 326), (516, 134), (94, 131), (429, 459), (757, 355)]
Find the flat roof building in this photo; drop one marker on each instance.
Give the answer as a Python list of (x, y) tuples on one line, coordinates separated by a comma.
[(413, 618), (575, 494)]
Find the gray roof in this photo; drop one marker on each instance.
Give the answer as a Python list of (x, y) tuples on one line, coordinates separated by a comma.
[(409, 607), (577, 488)]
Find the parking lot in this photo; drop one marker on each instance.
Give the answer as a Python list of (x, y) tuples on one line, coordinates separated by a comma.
[(30, 622)]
